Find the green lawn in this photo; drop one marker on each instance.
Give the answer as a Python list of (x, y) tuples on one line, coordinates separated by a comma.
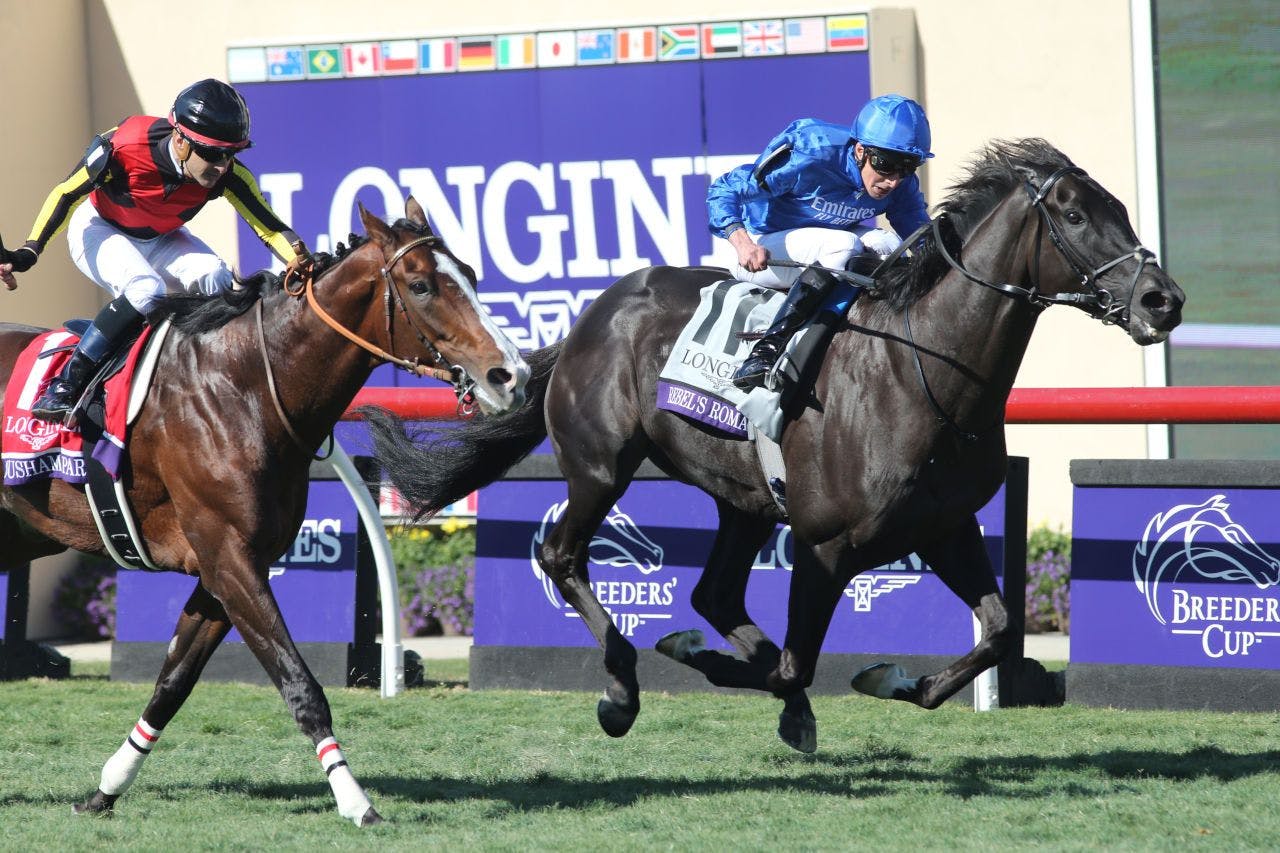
[(503, 770)]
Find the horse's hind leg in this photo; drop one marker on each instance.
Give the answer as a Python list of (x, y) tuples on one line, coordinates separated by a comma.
[(201, 627), (960, 560), (563, 557), (252, 606), (720, 598)]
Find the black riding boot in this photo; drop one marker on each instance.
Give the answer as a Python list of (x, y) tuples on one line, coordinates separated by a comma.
[(117, 322), (804, 297)]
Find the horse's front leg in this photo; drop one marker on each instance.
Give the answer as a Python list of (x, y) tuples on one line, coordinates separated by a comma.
[(720, 598), (201, 627), (244, 592), (563, 557), (818, 579), (960, 560)]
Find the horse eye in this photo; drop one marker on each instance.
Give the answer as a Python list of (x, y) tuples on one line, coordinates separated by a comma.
[(422, 287), (1073, 216)]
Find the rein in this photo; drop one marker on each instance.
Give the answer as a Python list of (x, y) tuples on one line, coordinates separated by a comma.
[(1099, 303), (455, 375)]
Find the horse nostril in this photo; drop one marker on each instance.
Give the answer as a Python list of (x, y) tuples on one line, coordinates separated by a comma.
[(1156, 301), (499, 377)]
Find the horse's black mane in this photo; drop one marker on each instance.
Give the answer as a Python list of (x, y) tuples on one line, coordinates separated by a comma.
[(197, 314), (997, 170)]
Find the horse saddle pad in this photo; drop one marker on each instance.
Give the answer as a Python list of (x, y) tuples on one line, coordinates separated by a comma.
[(697, 379), (33, 449)]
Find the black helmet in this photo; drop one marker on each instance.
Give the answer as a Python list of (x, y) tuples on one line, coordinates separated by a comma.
[(212, 114)]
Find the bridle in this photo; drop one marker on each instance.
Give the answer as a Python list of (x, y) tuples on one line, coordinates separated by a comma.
[(454, 374), (1096, 301), (440, 368)]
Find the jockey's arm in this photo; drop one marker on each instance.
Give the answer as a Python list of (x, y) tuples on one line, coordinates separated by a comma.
[(243, 193)]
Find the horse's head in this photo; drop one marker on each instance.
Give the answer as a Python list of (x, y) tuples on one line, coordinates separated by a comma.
[(1087, 254), (433, 316)]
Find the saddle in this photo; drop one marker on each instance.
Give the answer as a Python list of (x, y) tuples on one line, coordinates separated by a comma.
[(695, 382)]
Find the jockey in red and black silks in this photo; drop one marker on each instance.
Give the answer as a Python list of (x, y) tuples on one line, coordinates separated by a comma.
[(143, 180)]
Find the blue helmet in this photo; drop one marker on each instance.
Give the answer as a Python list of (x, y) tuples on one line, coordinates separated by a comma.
[(895, 123)]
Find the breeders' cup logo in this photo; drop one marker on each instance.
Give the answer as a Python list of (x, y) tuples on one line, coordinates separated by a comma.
[(1193, 541), (621, 544)]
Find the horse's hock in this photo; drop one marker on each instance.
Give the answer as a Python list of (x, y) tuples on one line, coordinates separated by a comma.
[(1175, 566)]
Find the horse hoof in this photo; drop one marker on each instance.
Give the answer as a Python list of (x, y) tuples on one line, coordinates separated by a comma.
[(798, 732), (884, 681), (615, 719), (370, 818), (681, 646), (99, 804)]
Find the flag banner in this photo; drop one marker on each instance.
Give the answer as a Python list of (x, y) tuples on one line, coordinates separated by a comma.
[(475, 53), (286, 63), (721, 40), (637, 44), (437, 55), (361, 59), (847, 32), (595, 47), (556, 49), (762, 38), (324, 60), (247, 64), (517, 51), (806, 35), (400, 57), (678, 41)]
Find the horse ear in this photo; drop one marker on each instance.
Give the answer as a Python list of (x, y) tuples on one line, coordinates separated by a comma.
[(414, 212), (375, 227)]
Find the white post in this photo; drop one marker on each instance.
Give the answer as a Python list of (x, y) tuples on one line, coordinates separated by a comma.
[(986, 687), (388, 592)]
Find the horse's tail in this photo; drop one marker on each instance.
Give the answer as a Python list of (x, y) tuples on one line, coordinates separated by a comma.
[(444, 462)]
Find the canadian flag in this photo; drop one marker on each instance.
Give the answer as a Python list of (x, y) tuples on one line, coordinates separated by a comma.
[(362, 59)]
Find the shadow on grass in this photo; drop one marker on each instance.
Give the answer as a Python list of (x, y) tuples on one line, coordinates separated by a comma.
[(876, 772)]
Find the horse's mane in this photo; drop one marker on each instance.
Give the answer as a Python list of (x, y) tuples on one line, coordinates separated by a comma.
[(197, 314), (994, 172)]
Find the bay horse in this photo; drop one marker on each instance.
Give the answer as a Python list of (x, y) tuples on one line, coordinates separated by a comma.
[(901, 441), (248, 388)]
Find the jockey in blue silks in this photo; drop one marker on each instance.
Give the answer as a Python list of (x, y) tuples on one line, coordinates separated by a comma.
[(807, 199)]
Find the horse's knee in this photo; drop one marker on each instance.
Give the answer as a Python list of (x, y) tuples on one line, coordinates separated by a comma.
[(554, 563), (703, 602)]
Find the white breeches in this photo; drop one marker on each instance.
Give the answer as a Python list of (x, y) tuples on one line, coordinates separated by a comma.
[(826, 247), (143, 270)]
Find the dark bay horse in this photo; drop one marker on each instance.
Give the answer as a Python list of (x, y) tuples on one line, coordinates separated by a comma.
[(901, 442), (247, 390)]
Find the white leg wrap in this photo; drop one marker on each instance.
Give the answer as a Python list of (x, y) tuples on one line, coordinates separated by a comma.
[(352, 802), (122, 767)]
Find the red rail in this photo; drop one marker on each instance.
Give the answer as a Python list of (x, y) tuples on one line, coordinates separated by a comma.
[(1184, 405)]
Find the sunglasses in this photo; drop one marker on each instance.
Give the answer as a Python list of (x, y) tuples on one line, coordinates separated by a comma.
[(213, 156), (890, 164)]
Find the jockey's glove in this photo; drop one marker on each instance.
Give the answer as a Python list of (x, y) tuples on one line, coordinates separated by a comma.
[(22, 258), (300, 266)]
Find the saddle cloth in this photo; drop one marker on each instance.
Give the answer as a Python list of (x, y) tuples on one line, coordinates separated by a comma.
[(33, 449), (696, 380)]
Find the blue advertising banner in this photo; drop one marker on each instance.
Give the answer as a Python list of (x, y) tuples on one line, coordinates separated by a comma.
[(1176, 577), (646, 559), (314, 582), (551, 182)]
